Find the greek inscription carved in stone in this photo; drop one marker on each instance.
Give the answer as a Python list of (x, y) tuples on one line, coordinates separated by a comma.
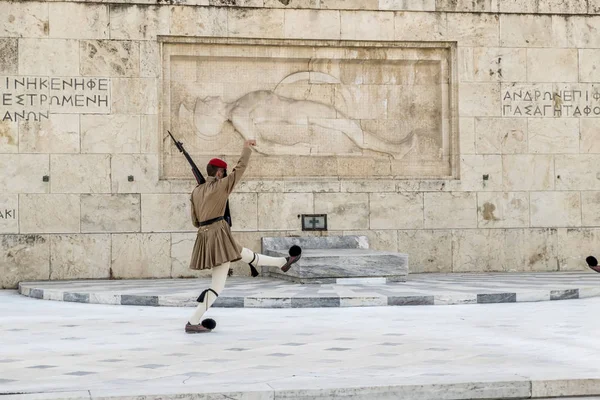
[(31, 98), (8, 214)]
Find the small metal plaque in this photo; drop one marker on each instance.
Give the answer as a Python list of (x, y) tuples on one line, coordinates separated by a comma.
[(314, 222)]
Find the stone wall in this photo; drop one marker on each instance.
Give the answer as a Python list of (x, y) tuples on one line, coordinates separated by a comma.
[(87, 188)]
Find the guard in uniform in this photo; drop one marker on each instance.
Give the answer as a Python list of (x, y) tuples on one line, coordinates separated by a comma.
[(215, 247)]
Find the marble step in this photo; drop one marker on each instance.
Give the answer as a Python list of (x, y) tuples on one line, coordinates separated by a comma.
[(339, 265)]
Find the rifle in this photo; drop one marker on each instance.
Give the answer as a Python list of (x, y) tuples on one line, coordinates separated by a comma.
[(197, 174)]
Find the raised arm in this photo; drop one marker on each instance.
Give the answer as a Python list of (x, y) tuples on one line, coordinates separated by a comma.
[(235, 176)]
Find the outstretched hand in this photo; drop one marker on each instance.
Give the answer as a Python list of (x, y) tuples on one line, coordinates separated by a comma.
[(250, 143)]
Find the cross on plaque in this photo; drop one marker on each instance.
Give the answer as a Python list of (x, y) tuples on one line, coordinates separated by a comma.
[(314, 222)]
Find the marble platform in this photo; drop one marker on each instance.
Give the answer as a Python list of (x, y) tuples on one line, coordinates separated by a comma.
[(419, 289), (336, 259)]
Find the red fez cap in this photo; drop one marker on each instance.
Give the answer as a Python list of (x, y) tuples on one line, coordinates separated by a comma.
[(218, 163)]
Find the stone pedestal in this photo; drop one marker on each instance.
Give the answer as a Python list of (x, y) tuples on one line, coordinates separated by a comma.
[(336, 259)]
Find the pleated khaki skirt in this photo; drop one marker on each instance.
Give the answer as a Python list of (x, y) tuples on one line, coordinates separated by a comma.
[(214, 246)]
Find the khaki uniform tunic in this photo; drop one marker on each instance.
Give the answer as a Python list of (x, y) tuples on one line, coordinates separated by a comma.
[(214, 243)]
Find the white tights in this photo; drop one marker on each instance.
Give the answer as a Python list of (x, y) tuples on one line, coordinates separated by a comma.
[(219, 276)]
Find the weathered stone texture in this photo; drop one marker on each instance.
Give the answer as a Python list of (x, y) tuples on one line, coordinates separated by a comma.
[(57, 134), (9, 60), (288, 205), (49, 57), (428, 250), (110, 134), (9, 213), (141, 255), (24, 19), (23, 258), (80, 173), (198, 21), (555, 209), (134, 96), (396, 210), (110, 213), (49, 213), (501, 135), (481, 172), (78, 20), (578, 172), (23, 173), (79, 256), (110, 58), (503, 209), (450, 210), (138, 22), (553, 135), (369, 25), (574, 245), (527, 172), (143, 170), (344, 210), (166, 213), (312, 24), (9, 137), (182, 246), (261, 23)]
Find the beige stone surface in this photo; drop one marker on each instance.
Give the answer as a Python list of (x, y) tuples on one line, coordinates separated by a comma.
[(410, 5), (368, 186), (577, 172), (80, 173), (292, 4), (24, 19), (582, 31), (57, 134), (149, 141), (345, 211), (396, 210), (467, 135), (312, 186), (555, 209), (590, 208), (384, 240), (110, 213), (260, 23), (522, 30), (198, 21), (503, 209), (244, 211), (110, 133), (501, 135), (166, 213), (144, 170), (49, 213), (479, 100), (78, 20), (9, 213), (450, 210), (138, 22), (474, 29), (553, 135), (150, 65), (49, 57), (420, 26), (141, 255), (492, 64), (312, 24), (574, 245), (589, 71), (23, 173), (428, 250), (479, 250), (351, 4), (467, 5), (481, 172), (367, 25), (548, 65), (79, 256), (9, 137), (527, 172), (134, 96), (533, 250), (589, 131), (543, 6), (182, 246), (110, 58), (280, 211), (23, 258), (9, 56)]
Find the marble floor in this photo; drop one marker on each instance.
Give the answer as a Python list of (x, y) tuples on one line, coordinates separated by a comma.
[(73, 350), (423, 289)]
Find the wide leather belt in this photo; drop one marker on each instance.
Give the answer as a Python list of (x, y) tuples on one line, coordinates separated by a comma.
[(211, 221)]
